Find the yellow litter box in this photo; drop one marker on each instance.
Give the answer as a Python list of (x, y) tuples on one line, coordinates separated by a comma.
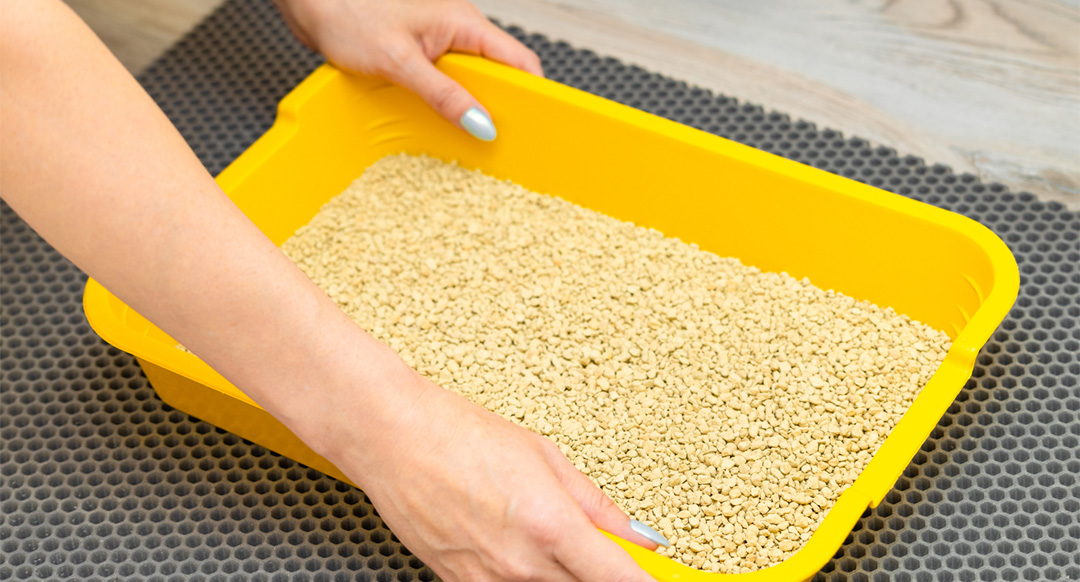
[(932, 265)]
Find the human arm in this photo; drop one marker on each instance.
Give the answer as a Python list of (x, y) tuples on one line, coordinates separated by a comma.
[(89, 161)]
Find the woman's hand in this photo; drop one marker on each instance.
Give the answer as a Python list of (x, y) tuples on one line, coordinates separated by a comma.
[(398, 41), (475, 496)]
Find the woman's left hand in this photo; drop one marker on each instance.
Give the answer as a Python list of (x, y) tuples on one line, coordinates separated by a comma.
[(399, 40)]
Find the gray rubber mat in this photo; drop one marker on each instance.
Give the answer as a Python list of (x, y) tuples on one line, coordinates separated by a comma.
[(102, 481)]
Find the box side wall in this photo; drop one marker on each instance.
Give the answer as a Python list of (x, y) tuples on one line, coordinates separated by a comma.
[(344, 127), (237, 416)]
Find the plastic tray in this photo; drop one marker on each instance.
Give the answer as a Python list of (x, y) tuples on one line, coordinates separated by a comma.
[(932, 265)]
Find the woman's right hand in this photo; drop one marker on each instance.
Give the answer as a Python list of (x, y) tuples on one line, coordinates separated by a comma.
[(476, 497)]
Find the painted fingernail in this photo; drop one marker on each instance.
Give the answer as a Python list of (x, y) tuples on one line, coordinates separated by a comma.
[(648, 532), (478, 123)]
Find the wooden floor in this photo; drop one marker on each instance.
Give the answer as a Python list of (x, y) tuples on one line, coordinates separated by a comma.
[(138, 32), (986, 87)]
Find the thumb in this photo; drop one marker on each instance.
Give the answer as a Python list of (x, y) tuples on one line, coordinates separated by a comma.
[(601, 510), (448, 98)]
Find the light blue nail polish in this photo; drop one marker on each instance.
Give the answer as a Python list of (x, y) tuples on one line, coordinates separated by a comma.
[(648, 532), (478, 123)]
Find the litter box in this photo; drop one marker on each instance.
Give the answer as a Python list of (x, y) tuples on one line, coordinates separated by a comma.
[(932, 265)]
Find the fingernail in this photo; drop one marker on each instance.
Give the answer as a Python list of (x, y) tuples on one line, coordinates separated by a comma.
[(648, 532), (478, 123)]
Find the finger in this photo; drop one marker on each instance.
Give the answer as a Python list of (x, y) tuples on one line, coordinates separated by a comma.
[(477, 35), (591, 557), (417, 74), (499, 45), (601, 510)]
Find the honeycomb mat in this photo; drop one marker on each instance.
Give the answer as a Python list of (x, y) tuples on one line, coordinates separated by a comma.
[(102, 481)]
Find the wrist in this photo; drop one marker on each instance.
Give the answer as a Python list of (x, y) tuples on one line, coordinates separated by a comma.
[(348, 401)]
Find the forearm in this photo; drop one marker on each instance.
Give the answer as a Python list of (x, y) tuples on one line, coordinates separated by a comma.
[(95, 167)]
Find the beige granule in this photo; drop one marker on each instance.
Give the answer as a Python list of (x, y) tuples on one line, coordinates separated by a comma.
[(726, 407)]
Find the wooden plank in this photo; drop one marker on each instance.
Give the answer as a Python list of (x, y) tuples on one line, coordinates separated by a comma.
[(138, 32), (988, 88)]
